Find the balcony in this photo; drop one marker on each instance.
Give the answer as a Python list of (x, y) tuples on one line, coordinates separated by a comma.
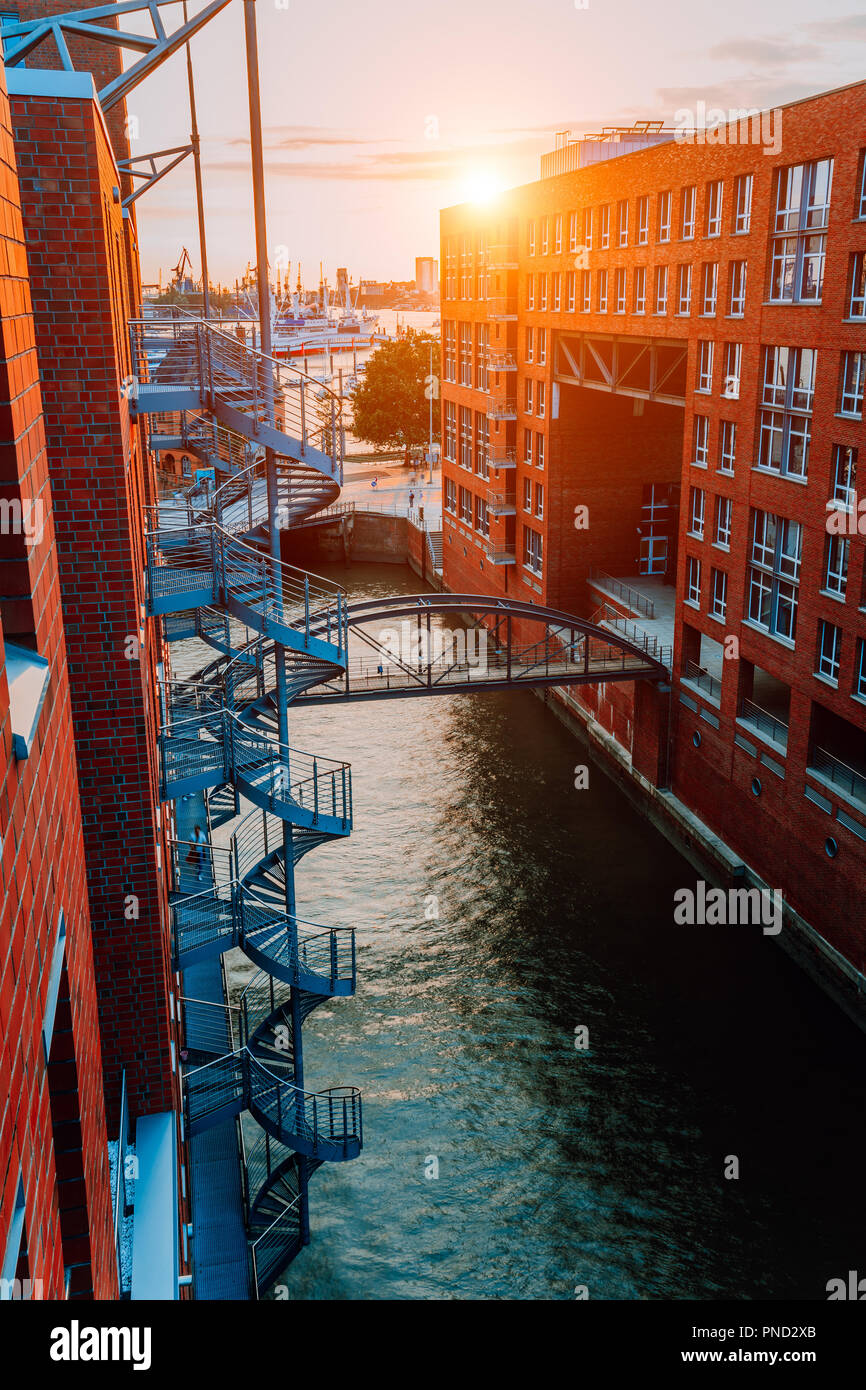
[(850, 781), (767, 724), (502, 456), (501, 362), (501, 552), (697, 676), (501, 502), (502, 309), (503, 256), (502, 408)]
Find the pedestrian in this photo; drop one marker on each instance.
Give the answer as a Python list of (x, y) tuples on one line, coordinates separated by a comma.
[(411, 500), (375, 483), (196, 856)]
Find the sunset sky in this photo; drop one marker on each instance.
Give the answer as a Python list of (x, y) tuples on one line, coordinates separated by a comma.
[(376, 115)]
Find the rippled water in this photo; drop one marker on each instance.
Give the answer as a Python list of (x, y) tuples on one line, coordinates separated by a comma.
[(556, 1167)]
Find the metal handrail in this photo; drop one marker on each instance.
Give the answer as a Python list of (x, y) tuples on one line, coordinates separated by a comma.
[(633, 597), (763, 720), (837, 771)]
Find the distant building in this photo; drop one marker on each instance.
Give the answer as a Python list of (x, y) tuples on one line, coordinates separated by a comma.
[(426, 274)]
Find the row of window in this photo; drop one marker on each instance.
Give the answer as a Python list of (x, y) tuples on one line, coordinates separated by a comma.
[(472, 511), (474, 451)]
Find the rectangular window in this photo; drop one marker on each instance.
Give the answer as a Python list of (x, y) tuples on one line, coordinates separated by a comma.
[(684, 290), (542, 292), (539, 500), (605, 227), (53, 990), (541, 396), (482, 442), (786, 414), (555, 291), (722, 528), (714, 208), (774, 574), (528, 387), (802, 209), (557, 234), (664, 217), (860, 204), (450, 350), (842, 492), (539, 451), (480, 510), (852, 379), (466, 354), (530, 291), (572, 231), (545, 235), (727, 446), (829, 650), (857, 286), (527, 447), (527, 494), (700, 441), (620, 290), (622, 222), (542, 346), (640, 289), (710, 294), (860, 670), (451, 431), (585, 291), (719, 594), (532, 550), (643, 220), (465, 438), (530, 344), (697, 498), (482, 349), (687, 214), (588, 227), (570, 283), (704, 378), (742, 203), (451, 496), (661, 289), (530, 238), (466, 505), (836, 555), (737, 295), (602, 291), (733, 366), (693, 581)]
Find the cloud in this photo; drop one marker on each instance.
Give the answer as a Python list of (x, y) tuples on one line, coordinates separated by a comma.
[(766, 53), (849, 28), (754, 93)]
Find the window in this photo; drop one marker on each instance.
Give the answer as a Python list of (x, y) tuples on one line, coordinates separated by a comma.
[(527, 494), (710, 292), (466, 354), (737, 295), (572, 231), (661, 289), (622, 222), (605, 227), (541, 393), (557, 234), (700, 437), (542, 292), (742, 203), (802, 208), (684, 290), (530, 344), (687, 217), (697, 499), (482, 346), (844, 473), (530, 291), (532, 550), (829, 650), (786, 417), (528, 386), (482, 441), (664, 217), (640, 289), (602, 291), (542, 346), (693, 581), (482, 520), (570, 281), (719, 594), (530, 238), (836, 554), (545, 235), (643, 220), (857, 290), (465, 438), (860, 671), (585, 291), (733, 365), (450, 350), (588, 228), (714, 208), (852, 377), (555, 291), (451, 268), (527, 447), (53, 990), (539, 451), (774, 574), (539, 500), (620, 290), (727, 446), (451, 496), (451, 431), (704, 381), (722, 525), (466, 276), (466, 506)]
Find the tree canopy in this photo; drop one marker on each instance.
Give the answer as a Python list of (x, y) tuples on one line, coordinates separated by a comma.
[(391, 404)]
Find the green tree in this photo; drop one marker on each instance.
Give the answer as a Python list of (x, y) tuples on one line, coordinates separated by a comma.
[(391, 404)]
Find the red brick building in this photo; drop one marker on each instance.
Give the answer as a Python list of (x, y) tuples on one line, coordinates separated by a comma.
[(654, 363)]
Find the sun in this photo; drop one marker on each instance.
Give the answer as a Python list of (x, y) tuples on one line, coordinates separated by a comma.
[(481, 185)]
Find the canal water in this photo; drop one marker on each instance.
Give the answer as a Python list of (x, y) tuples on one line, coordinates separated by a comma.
[(498, 910)]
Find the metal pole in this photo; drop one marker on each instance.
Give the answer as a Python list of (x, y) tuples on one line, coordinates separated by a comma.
[(258, 174), (430, 390), (196, 159)]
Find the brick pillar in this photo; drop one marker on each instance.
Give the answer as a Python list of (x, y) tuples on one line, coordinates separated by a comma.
[(652, 702)]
